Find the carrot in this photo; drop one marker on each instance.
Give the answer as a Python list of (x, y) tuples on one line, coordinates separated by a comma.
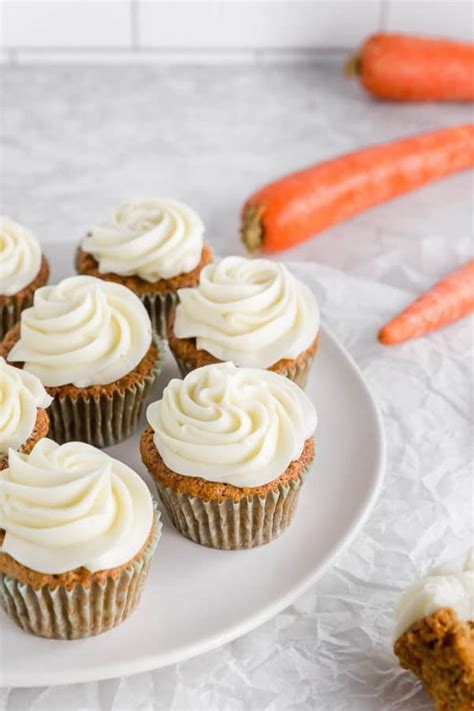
[(291, 209), (449, 300), (410, 68)]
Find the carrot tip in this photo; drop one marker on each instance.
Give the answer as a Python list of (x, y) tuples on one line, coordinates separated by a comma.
[(353, 66), (251, 230)]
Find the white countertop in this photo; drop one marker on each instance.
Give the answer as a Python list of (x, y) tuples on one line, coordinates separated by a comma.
[(77, 140)]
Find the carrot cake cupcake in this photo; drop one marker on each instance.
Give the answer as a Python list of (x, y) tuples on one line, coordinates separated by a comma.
[(153, 246), (76, 565), (23, 420), (90, 343), (228, 448), (252, 312), (434, 635), (22, 270)]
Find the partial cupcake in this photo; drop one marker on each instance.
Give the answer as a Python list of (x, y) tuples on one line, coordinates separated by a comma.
[(23, 269), (251, 312), (76, 565), (23, 419), (152, 246), (90, 343), (434, 635), (229, 449)]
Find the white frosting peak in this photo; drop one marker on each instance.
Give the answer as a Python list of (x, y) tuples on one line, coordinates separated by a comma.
[(450, 585), (240, 426), (20, 257), (150, 238), (83, 331), (252, 312), (68, 506), (21, 394)]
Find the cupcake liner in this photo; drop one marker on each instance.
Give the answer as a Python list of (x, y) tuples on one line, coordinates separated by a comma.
[(229, 525), (104, 420), (159, 307), (11, 311), (81, 611), (298, 372)]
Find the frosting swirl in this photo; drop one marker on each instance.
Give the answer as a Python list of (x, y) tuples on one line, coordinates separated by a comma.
[(239, 426), (83, 331), (20, 257), (149, 238), (450, 585), (252, 312), (21, 394), (68, 506)]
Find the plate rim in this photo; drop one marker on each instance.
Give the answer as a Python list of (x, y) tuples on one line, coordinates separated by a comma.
[(152, 662)]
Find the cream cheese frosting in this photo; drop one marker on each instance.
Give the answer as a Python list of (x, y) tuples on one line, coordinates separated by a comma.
[(252, 312), (21, 394), (239, 426), (20, 257), (83, 331), (450, 585), (150, 238), (68, 506)]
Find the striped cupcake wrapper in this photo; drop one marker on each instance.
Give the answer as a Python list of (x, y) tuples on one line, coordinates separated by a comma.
[(229, 525), (81, 611), (105, 420), (298, 372), (159, 307), (11, 311)]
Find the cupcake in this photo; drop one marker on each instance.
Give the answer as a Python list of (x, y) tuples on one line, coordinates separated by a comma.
[(23, 420), (90, 343), (77, 533), (251, 312), (22, 271), (228, 449), (434, 634), (153, 246)]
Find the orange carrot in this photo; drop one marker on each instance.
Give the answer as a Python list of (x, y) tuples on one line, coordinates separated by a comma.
[(410, 68), (289, 210), (449, 300)]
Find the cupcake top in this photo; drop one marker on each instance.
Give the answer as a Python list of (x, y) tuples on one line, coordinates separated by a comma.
[(151, 238), (239, 426), (450, 585), (21, 394), (70, 506), (20, 257), (83, 331), (252, 312)]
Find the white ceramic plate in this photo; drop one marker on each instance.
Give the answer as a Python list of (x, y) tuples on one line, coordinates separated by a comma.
[(198, 598)]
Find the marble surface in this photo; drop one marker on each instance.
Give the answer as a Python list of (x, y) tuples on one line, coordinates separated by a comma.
[(76, 140)]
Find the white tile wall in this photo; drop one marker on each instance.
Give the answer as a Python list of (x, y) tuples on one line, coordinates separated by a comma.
[(203, 30), (256, 24), (66, 23), (446, 18)]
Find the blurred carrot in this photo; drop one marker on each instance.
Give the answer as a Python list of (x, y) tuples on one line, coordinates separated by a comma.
[(449, 300), (291, 209), (410, 68)]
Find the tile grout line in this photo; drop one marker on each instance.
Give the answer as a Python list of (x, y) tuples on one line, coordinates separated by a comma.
[(134, 26), (384, 14)]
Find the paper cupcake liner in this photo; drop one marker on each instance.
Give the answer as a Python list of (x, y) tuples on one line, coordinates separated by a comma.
[(11, 311), (230, 525), (159, 307), (104, 420), (298, 372), (81, 611)]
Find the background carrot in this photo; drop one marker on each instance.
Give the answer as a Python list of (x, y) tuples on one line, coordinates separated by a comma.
[(449, 300), (302, 204), (406, 68)]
